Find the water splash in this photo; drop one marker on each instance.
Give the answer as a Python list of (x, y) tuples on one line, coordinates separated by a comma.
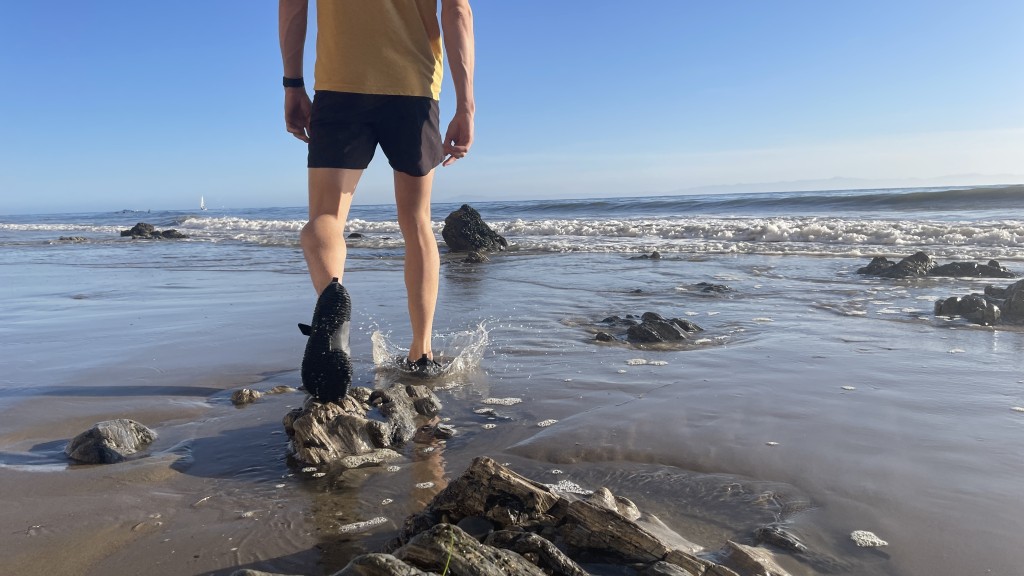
[(457, 352)]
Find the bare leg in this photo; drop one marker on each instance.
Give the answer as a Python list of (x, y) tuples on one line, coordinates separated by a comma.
[(322, 238), (422, 261)]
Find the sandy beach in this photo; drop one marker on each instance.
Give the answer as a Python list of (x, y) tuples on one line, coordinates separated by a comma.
[(817, 397)]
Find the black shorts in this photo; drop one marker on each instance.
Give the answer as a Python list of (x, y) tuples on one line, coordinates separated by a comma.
[(345, 129)]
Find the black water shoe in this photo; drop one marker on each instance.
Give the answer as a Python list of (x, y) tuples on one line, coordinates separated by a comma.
[(327, 363), (424, 367)]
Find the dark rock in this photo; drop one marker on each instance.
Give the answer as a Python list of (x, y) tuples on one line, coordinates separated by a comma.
[(604, 337), (140, 230), (447, 545), (355, 235), (147, 231), (652, 256), (973, 307), (542, 552), (708, 288), (347, 433), (778, 536), (995, 305), (878, 264), (655, 328), (109, 442), (75, 239), (973, 270), (475, 257), (476, 526), (465, 231), (918, 264), (1013, 302), (379, 565)]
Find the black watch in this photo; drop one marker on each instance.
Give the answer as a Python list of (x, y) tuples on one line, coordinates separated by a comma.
[(293, 82)]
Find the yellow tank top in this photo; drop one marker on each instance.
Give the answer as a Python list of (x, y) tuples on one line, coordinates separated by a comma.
[(379, 47)]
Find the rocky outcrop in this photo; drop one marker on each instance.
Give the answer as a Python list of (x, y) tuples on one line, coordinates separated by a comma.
[(362, 428), (912, 266), (146, 231), (109, 442), (972, 270), (920, 264), (465, 231), (492, 521), (648, 328), (994, 306)]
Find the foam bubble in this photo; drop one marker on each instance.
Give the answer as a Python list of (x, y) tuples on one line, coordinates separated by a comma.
[(501, 402), (546, 423), (356, 526), (570, 487), (866, 539), (636, 362), (425, 485)]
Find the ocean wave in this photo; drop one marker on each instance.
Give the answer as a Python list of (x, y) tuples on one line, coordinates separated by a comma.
[(836, 231)]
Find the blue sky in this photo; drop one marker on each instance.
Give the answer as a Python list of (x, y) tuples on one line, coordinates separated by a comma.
[(110, 105)]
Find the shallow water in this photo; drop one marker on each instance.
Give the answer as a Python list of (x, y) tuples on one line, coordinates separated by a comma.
[(814, 396), (923, 451)]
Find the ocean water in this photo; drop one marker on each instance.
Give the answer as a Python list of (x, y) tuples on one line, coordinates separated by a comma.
[(815, 397)]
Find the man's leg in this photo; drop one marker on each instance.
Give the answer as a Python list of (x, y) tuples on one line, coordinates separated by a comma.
[(422, 261), (322, 238)]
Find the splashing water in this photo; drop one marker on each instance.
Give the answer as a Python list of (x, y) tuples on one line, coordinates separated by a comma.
[(457, 352)]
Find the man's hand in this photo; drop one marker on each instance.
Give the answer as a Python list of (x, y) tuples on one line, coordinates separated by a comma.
[(296, 112), (459, 137)]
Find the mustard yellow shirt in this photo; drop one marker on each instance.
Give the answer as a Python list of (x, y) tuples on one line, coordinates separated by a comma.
[(379, 47)]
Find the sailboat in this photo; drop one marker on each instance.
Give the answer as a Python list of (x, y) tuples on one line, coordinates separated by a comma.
[(202, 203)]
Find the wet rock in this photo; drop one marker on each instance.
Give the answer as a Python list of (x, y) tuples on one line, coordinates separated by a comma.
[(493, 522), (1013, 301), (541, 552), (74, 239), (379, 565), (355, 235), (147, 231), (751, 560), (604, 337), (445, 544), (972, 270), (652, 256), (778, 536), (330, 433), (708, 288), (245, 396), (593, 528), (654, 328), (973, 307), (465, 231), (109, 442), (916, 265), (475, 257), (996, 305)]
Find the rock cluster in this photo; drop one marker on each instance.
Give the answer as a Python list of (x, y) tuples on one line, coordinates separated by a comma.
[(649, 328), (492, 521), (992, 307), (109, 442), (920, 264), (363, 427), (465, 231), (147, 231)]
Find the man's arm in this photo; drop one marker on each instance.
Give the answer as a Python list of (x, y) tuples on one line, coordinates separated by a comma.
[(291, 22), (457, 24)]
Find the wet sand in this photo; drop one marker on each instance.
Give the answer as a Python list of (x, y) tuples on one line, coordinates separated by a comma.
[(922, 451)]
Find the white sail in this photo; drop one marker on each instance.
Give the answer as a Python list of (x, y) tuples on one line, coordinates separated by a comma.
[(202, 203)]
